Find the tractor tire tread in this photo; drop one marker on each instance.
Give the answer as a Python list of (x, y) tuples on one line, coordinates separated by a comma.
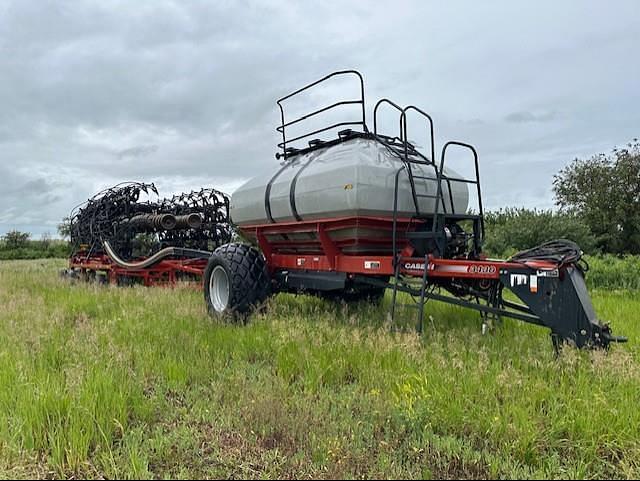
[(249, 277)]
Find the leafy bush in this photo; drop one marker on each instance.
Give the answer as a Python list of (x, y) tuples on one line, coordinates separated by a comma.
[(611, 272), (15, 239), (512, 229), (34, 249)]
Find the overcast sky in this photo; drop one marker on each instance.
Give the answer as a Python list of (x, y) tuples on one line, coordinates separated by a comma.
[(183, 93)]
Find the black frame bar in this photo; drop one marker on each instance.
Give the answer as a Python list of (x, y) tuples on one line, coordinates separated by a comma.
[(525, 314)]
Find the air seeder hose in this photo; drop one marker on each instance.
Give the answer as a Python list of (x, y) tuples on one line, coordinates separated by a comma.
[(155, 258)]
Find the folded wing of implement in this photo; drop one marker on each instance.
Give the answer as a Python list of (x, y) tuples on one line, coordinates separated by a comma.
[(117, 237)]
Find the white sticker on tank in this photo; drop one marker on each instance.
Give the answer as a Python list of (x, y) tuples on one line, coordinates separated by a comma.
[(372, 265)]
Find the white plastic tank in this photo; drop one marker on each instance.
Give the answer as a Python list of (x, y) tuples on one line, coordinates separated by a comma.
[(350, 179)]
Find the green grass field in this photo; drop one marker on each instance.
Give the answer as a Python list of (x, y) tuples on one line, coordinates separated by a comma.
[(134, 382)]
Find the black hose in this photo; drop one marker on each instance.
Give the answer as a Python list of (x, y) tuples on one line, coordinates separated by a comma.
[(560, 252)]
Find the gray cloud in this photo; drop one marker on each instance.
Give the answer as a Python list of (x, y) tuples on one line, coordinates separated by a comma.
[(137, 151), (183, 93), (525, 117)]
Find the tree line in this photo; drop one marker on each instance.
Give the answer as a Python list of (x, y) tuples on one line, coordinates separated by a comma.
[(19, 245), (598, 207)]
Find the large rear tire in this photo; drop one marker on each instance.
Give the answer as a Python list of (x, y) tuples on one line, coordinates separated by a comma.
[(236, 281)]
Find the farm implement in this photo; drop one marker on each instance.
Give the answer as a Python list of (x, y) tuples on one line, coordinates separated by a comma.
[(118, 238), (349, 213)]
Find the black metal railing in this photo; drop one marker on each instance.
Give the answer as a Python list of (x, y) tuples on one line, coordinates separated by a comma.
[(399, 145), (375, 116), (479, 232), (283, 126), (403, 121), (409, 154)]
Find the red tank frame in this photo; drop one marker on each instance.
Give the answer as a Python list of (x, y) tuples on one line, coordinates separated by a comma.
[(333, 259), (554, 296)]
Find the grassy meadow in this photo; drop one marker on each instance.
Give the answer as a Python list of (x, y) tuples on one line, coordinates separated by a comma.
[(105, 382)]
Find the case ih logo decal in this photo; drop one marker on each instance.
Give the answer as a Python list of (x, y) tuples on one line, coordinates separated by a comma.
[(414, 266), (481, 269)]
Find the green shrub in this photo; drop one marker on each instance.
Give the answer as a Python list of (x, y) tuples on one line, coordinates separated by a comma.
[(15, 239), (35, 249), (611, 272), (512, 229)]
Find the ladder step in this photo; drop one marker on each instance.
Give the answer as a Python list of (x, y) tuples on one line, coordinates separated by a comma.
[(399, 149)]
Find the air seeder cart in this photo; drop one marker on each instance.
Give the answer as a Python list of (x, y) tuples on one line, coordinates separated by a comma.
[(354, 215)]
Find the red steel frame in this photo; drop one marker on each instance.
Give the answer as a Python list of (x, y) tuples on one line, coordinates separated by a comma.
[(333, 259), (165, 272), (581, 328), (330, 259)]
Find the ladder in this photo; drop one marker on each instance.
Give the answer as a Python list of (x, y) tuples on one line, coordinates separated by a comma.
[(435, 221)]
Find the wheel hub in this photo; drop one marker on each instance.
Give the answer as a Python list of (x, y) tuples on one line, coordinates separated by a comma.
[(219, 289)]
